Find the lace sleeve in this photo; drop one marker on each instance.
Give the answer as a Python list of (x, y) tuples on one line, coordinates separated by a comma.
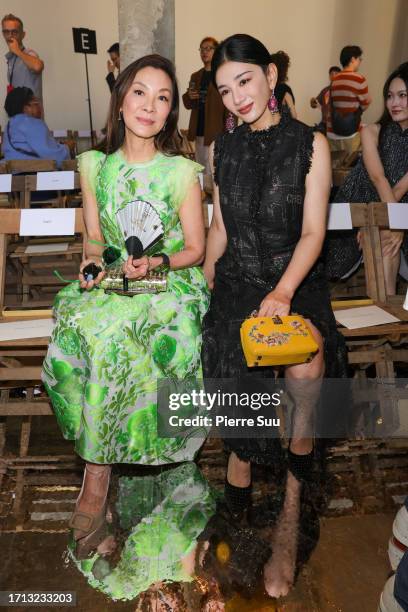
[(307, 150)]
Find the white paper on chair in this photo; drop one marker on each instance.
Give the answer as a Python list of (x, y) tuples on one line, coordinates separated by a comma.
[(364, 316), (210, 211), (60, 133), (47, 248), (19, 330), (47, 222), (339, 216), (397, 215), (5, 183), (62, 179)]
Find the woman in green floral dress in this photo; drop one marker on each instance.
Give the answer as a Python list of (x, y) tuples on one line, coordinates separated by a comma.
[(107, 351)]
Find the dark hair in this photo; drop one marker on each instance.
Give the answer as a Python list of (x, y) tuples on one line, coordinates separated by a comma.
[(282, 63), (399, 73), (334, 69), (17, 99), (240, 48), (114, 48), (11, 17), (347, 54), (167, 141)]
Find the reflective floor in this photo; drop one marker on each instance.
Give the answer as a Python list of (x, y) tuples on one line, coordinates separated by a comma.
[(169, 529)]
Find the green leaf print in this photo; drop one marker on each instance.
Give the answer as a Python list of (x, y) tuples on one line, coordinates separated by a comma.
[(95, 394), (68, 341), (61, 369), (71, 387), (164, 349)]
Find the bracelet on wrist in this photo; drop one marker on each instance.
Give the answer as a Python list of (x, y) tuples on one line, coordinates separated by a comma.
[(165, 265)]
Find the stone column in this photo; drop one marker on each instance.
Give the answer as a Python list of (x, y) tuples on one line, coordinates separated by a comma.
[(146, 26)]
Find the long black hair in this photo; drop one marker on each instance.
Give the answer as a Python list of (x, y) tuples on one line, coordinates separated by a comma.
[(167, 141), (240, 48), (399, 73)]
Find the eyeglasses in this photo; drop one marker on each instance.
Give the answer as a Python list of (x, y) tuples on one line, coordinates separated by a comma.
[(206, 48), (12, 32)]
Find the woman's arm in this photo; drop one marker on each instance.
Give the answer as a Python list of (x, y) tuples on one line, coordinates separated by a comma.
[(314, 224), (42, 142), (92, 252), (390, 240), (373, 164), (192, 223), (401, 188), (191, 96), (217, 236)]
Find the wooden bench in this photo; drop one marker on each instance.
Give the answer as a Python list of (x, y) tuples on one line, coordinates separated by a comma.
[(20, 366)]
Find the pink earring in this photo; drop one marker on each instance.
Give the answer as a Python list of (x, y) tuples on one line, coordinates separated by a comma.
[(273, 103), (230, 122)]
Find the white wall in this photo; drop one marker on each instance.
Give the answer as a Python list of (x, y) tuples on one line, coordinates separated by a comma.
[(312, 32), (48, 25)]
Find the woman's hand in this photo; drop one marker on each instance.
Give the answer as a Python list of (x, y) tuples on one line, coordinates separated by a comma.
[(277, 302), (391, 242), (91, 283), (136, 268), (209, 274)]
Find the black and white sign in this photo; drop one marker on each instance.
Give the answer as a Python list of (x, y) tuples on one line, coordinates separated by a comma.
[(84, 40)]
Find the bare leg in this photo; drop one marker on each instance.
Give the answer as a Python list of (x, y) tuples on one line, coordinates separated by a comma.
[(94, 491), (94, 488), (391, 267), (304, 383)]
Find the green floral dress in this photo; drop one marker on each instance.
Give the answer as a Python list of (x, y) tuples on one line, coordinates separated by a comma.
[(163, 516), (107, 351)]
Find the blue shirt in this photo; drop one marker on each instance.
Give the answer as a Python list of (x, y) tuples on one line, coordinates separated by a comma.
[(19, 75), (34, 140)]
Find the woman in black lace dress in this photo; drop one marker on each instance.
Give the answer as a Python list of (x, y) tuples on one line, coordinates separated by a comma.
[(380, 175), (272, 181)]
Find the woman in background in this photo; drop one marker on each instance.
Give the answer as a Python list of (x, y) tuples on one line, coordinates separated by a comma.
[(283, 93), (380, 175), (26, 135), (208, 117)]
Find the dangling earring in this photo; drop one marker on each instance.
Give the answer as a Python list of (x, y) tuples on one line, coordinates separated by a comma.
[(273, 103), (120, 116), (230, 122)]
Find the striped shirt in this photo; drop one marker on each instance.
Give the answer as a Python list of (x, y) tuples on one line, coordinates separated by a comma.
[(349, 92)]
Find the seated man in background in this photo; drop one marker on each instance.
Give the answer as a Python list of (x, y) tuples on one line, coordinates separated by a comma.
[(349, 98), (26, 135), (322, 100)]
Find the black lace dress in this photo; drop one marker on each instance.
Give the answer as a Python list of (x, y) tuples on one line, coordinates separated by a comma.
[(261, 178), (341, 252)]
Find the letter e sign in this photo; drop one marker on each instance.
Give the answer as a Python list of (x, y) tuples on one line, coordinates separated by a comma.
[(84, 40)]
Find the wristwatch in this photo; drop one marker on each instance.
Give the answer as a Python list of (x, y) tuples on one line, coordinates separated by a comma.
[(165, 265)]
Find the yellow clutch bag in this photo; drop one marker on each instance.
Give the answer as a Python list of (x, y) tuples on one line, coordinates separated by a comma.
[(268, 341)]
